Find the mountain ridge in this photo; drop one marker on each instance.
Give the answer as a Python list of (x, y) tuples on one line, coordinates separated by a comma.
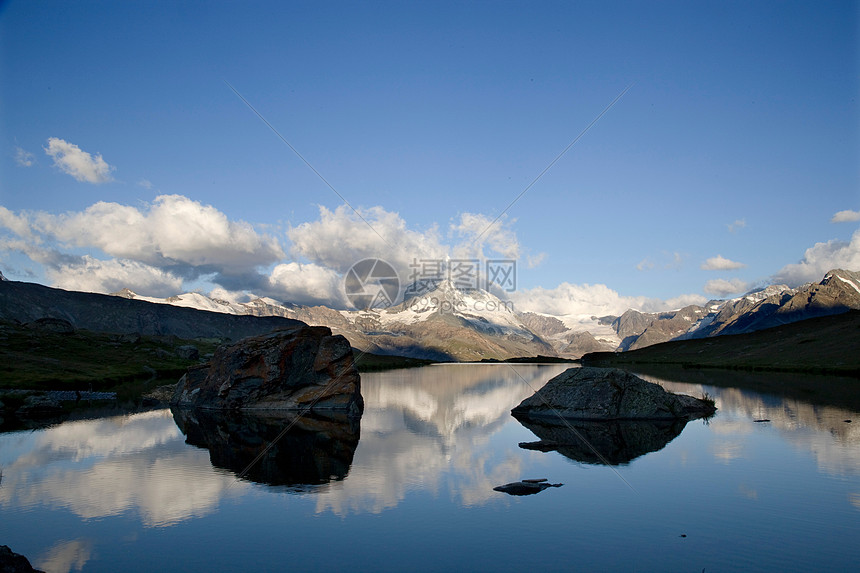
[(446, 311), (444, 324)]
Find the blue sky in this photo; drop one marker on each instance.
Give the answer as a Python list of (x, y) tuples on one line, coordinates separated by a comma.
[(126, 159)]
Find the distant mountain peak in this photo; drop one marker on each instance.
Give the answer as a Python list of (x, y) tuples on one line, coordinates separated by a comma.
[(124, 293), (762, 293), (848, 278)]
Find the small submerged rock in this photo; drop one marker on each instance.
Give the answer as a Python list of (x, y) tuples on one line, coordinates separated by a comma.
[(526, 486)]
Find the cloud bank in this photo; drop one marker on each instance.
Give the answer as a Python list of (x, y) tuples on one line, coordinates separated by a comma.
[(819, 259), (174, 244), (592, 300), (156, 249), (723, 287), (153, 248)]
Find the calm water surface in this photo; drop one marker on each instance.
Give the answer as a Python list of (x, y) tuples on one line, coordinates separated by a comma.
[(411, 487)]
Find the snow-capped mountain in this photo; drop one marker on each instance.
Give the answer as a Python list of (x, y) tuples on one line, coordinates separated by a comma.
[(444, 324), (838, 292), (451, 324)]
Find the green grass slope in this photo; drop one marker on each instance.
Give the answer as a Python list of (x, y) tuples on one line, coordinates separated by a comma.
[(32, 358), (42, 359)]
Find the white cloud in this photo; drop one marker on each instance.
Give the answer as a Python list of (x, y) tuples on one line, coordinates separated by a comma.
[(67, 555), (684, 300), (308, 284), (94, 275), (18, 224), (478, 230), (24, 158), (174, 230), (71, 159), (724, 287), (819, 259), (846, 216), (533, 261), (645, 264), (592, 300), (46, 256), (152, 247), (738, 224), (671, 261), (339, 239), (145, 183), (720, 263)]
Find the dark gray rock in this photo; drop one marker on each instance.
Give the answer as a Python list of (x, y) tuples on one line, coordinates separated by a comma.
[(188, 352), (669, 326), (608, 394), (580, 343), (39, 404), (544, 326), (128, 338), (525, 487), (48, 324), (632, 323), (293, 369)]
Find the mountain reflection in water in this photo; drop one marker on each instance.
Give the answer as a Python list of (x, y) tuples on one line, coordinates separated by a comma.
[(313, 452), (616, 442)]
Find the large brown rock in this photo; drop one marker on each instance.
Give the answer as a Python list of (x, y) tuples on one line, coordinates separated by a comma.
[(292, 369), (609, 394)]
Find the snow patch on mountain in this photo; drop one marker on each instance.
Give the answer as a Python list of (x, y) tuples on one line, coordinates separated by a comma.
[(849, 282), (759, 295), (602, 331)]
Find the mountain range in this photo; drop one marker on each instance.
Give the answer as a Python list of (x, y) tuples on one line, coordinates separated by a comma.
[(444, 324)]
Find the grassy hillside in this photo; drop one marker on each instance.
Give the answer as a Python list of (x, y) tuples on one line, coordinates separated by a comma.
[(44, 359), (826, 345), (367, 362), (39, 358)]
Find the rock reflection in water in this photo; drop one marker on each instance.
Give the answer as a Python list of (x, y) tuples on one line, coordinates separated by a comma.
[(618, 442), (315, 451)]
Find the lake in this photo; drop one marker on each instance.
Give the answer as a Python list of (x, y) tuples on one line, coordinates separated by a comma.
[(410, 487)]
